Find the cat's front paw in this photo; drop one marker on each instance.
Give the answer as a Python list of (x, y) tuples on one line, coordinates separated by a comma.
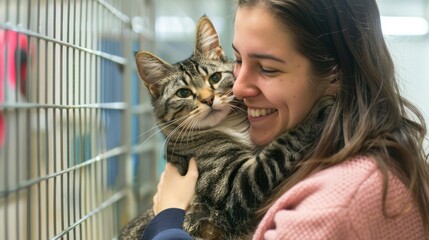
[(200, 222)]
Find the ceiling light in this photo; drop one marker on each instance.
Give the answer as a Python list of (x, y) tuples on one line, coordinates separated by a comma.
[(415, 26)]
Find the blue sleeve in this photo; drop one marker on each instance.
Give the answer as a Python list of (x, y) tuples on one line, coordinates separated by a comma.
[(167, 224)]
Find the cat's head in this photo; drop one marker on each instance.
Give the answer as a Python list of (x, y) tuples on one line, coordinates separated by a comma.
[(196, 91)]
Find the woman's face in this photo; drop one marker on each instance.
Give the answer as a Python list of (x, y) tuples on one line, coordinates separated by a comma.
[(271, 76)]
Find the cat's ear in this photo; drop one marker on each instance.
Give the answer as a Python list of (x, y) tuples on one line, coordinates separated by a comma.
[(151, 69), (207, 44)]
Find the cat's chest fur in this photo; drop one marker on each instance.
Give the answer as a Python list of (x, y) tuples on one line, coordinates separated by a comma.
[(236, 126)]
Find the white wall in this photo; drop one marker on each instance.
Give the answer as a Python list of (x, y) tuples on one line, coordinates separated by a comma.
[(410, 54), (411, 57)]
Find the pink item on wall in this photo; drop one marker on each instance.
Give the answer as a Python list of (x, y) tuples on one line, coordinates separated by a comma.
[(13, 67)]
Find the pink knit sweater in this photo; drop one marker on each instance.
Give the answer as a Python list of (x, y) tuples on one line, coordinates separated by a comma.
[(342, 202)]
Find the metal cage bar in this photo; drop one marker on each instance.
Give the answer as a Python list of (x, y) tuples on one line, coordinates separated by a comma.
[(72, 161)]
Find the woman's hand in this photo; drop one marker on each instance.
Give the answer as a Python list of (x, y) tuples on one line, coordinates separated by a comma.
[(174, 190)]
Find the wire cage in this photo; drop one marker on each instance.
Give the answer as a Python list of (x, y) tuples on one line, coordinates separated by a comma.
[(72, 162)]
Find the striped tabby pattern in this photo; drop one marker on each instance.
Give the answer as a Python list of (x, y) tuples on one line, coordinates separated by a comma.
[(200, 118)]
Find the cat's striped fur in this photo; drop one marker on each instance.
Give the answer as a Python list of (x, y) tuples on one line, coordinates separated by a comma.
[(201, 118)]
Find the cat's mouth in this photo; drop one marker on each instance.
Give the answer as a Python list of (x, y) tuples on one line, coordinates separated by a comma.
[(213, 116), (216, 113)]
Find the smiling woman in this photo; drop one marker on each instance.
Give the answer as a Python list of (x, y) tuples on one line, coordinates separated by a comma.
[(367, 170), (273, 78)]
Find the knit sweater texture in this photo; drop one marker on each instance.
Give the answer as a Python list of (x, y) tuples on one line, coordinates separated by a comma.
[(344, 202)]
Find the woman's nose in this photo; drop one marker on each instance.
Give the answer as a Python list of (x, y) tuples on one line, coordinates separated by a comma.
[(244, 85)]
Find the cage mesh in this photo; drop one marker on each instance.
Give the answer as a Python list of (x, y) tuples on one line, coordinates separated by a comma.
[(72, 110)]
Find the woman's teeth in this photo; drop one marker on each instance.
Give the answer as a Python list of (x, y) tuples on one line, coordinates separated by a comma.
[(259, 112)]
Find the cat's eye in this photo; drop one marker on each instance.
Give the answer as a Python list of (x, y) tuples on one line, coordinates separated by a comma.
[(215, 78), (183, 93)]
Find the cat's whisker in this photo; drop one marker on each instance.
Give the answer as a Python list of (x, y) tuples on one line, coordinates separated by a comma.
[(169, 123), (181, 130), (150, 136), (186, 128), (161, 127), (154, 129), (176, 139), (192, 125), (169, 137), (234, 108)]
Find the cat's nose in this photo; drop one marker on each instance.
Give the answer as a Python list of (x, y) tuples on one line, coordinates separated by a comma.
[(206, 96), (208, 100)]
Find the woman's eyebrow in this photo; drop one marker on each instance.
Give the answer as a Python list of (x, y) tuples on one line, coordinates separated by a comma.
[(261, 56)]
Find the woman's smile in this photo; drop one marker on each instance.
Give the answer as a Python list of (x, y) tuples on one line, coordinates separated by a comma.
[(272, 77)]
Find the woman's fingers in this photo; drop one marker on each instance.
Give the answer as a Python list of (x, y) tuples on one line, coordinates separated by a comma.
[(174, 190), (192, 169)]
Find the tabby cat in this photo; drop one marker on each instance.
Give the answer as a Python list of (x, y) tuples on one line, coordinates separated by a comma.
[(200, 118)]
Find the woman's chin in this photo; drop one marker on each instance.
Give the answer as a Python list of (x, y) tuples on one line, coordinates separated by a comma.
[(260, 139)]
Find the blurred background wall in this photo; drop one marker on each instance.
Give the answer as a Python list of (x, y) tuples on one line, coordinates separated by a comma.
[(406, 28)]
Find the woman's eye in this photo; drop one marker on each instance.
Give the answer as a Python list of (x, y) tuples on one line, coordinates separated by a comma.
[(215, 78), (268, 70), (183, 93)]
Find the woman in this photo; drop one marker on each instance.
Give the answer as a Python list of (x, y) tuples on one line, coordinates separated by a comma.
[(368, 177)]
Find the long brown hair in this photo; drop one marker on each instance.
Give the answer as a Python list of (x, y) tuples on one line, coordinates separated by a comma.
[(343, 38)]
